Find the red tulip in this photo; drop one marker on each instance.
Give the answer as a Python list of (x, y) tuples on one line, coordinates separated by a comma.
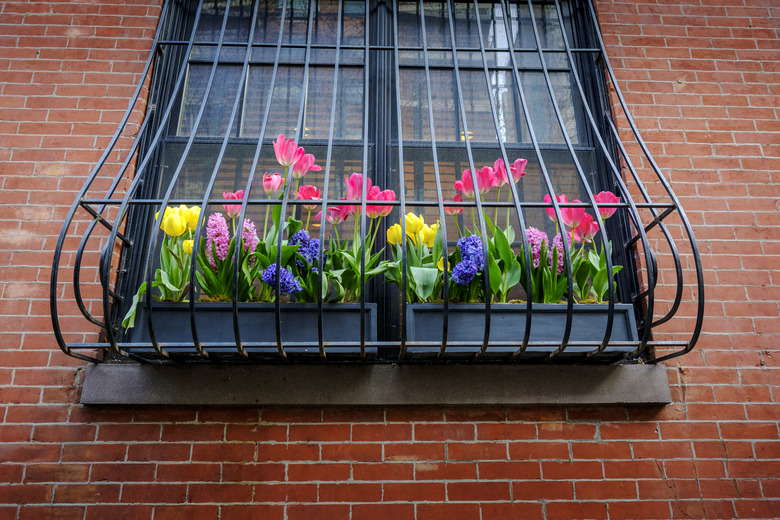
[(355, 189), (517, 170)]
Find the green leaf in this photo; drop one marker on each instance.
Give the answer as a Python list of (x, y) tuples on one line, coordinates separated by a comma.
[(495, 275), (425, 279), (129, 320), (502, 247)]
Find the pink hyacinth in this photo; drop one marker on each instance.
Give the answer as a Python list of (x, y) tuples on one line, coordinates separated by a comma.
[(217, 233), (287, 151), (557, 243), (486, 179), (535, 239), (304, 165), (586, 230), (607, 197), (233, 210), (454, 210), (308, 192), (249, 236)]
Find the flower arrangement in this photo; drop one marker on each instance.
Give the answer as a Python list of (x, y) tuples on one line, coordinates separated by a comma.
[(474, 253), (267, 271)]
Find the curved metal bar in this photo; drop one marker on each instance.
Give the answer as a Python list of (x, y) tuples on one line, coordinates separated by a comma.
[(175, 178), (437, 176), (545, 176), (512, 189), (136, 182), (212, 180), (326, 186), (616, 172), (88, 234), (583, 180), (664, 230), (667, 187), (90, 179), (477, 198)]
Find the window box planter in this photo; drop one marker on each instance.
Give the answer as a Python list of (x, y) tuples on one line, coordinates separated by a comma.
[(466, 330), (257, 327)]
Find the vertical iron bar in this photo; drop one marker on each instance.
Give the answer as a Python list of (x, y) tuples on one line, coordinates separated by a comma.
[(364, 189)]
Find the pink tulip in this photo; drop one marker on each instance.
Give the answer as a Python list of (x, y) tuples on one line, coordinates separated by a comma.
[(355, 190), (586, 230), (486, 179), (304, 165), (607, 197), (308, 192), (516, 169), (454, 210), (376, 195), (233, 210), (336, 215), (287, 151), (571, 216), (272, 182)]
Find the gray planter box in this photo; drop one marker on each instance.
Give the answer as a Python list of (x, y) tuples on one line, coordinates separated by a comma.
[(466, 329), (257, 325)]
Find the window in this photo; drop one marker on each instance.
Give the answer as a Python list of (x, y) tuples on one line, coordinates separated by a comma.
[(409, 93)]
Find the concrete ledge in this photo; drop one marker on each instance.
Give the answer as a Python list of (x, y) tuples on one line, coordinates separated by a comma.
[(382, 385)]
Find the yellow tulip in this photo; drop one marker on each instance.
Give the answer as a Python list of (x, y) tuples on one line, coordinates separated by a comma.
[(414, 223), (394, 235), (174, 225), (428, 234), (187, 246), (440, 265), (191, 215)]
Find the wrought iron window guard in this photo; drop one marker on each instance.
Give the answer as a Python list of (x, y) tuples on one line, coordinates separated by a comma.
[(118, 203)]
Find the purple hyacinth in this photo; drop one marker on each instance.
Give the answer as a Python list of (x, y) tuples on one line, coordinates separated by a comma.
[(535, 239), (464, 272), (217, 232), (471, 251), (249, 236), (287, 282), (308, 247)]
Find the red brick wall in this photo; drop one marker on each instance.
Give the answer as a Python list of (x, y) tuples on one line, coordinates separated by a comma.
[(703, 81)]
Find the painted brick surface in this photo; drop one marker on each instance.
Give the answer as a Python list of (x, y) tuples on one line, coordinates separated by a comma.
[(702, 79)]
